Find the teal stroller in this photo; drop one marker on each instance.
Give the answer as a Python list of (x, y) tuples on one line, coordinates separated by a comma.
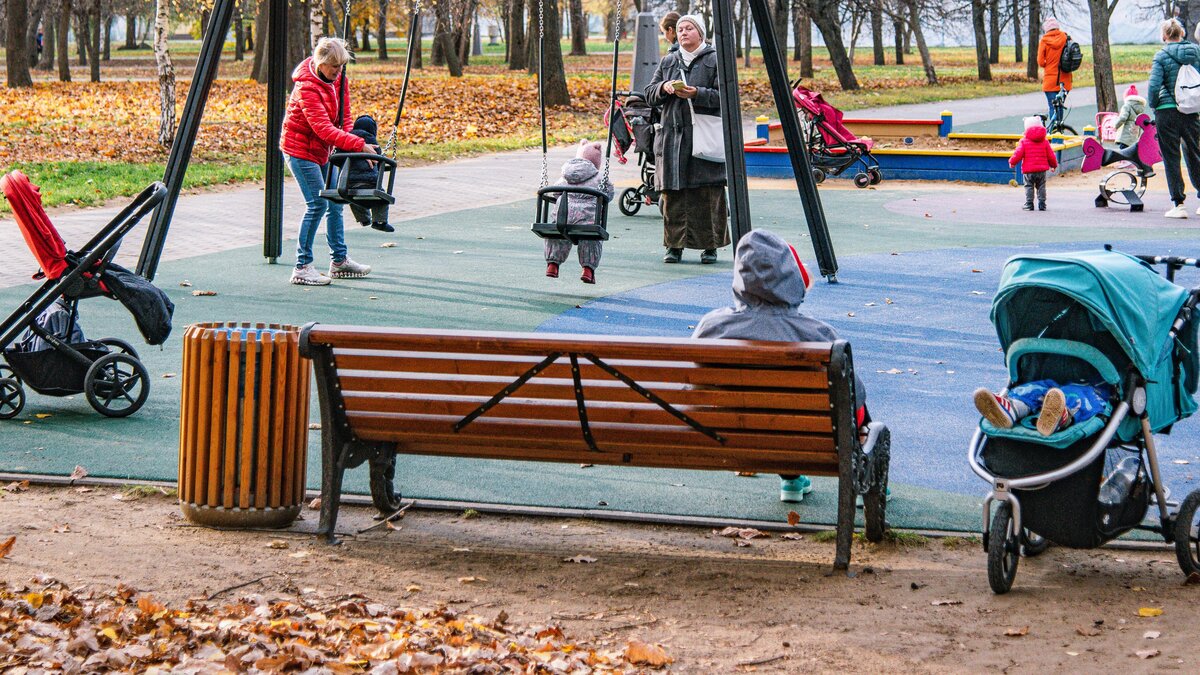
[(1086, 317)]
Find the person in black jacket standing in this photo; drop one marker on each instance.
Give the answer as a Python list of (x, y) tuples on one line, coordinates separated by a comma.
[(365, 174), (695, 214)]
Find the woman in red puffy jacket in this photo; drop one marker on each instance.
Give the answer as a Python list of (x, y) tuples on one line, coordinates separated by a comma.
[(310, 134)]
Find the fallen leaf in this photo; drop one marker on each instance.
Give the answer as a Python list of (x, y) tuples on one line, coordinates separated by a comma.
[(314, 426), (741, 533), (461, 549), (470, 580), (742, 543), (203, 293), (893, 371), (976, 292), (642, 654), (1192, 579), (315, 504), (299, 554), (1149, 611), (388, 244), (1151, 635), (1180, 461), (1087, 631), (185, 283), (84, 490), (586, 466), (974, 271), (793, 518), (42, 416), (1147, 653), (413, 588), (793, 536), (78, 473), (458, 253), (17, 486), (888, 301), (849, 313), (167, 376), (941, 603), (277, 543), (391, 525), (1017, 632), (747, 474), (61, 529), (7, 545), (579, 559)]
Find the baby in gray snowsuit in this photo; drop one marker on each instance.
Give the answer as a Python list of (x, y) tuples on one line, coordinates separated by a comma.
[(582, 171)]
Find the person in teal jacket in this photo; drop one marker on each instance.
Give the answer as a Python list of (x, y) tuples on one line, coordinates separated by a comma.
[(1176, 130)]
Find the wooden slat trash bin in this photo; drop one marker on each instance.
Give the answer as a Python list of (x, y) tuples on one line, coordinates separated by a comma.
[(243, 427)]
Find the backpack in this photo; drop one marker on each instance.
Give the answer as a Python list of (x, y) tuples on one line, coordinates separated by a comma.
[(1187, 89), (1071, 57)]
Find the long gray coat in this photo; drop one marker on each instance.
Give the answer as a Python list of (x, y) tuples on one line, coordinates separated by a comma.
[(675, 167)]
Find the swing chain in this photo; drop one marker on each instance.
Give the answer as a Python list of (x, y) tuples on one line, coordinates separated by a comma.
[(541, 85), (604, 180), (392, 147)]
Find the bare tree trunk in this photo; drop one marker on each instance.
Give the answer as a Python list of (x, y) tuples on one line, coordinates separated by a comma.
[(914, 20), (108, 22), (1014, 8), (779, 23), (419, 45), (555, 74), (16, 56), (994, 16), (46, 64), (531, 45), (517, 45), (443, 41), (739, 27), (681, 6), (64, 43), (579, 29), (298, 30), (36, 9), (824, 13), (381, 25), (239, 33), (805, 43), (166, 72), (981, 47), (81, 32), (1106, 93), (748, 33), (258, 67), (877, 31), (94, 43), (898, 33), (365, 43), (1035, 20), (130, 30)]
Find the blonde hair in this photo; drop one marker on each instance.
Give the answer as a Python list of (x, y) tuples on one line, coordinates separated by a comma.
[(1172, 30), (331, 51)]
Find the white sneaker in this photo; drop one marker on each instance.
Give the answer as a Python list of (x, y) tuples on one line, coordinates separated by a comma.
[(309, 276), (1177, 212), (348, 269), (1198, 210)]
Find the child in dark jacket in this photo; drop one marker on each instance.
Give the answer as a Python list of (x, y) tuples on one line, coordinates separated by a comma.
[(769, 285), (365, 174), (1036, 158)]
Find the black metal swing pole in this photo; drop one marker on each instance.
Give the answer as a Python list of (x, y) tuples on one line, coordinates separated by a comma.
[(814, 213), (277, 92), (413, 27), (724, 30), (612, 96)]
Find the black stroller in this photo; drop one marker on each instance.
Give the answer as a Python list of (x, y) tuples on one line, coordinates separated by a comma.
[(634, 124), (41, 342), (1095, 317)]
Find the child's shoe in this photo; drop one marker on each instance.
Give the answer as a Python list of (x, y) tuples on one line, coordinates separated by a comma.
[(995, 408), (1028, 206), (588, 276), (382, 226), (793, 491), (1041, 206), (552, 270), (1054, 416)]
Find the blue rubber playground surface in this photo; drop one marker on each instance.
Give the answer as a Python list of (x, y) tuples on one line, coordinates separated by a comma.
[(914, 291)]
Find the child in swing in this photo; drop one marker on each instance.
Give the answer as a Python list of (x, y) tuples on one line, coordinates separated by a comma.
[(365, 174), (582, 171), (1057, 406)]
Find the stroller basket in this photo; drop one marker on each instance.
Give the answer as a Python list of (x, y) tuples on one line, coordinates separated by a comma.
[(54, 373)]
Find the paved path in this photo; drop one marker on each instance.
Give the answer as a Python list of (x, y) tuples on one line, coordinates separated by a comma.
[(973, 111)]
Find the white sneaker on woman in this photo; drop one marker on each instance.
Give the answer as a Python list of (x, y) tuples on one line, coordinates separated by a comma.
[(348, 269), (1177, 212), (308, 275)]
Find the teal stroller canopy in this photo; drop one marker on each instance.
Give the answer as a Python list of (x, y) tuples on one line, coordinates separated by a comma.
[(1129, 314)]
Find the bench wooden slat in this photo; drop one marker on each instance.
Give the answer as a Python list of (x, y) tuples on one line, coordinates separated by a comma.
[(646, 435), (597, 411), (643, 372), (818, 464), (540, 344), (597, 390)]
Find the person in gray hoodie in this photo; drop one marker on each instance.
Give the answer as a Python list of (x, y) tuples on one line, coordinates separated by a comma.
[(582, 171), (769, 285), (1175, 129)]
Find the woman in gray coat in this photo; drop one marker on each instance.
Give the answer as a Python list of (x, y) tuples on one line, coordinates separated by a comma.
[(695, 214)]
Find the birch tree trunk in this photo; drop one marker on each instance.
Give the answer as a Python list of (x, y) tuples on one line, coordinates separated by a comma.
[(166, 74), (316, 24)]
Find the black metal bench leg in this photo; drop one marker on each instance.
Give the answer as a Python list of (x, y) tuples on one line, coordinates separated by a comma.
[(332, 471), (845, 522)]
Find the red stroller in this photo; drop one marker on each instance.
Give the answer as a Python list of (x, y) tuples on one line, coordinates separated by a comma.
[(832, 146), (52, 357)]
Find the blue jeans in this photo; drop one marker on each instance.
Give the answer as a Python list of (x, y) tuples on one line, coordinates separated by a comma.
[(311, 181), (1085, 401), (1050, 107)]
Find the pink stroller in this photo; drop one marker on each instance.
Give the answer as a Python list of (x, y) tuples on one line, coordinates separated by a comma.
[(832, 146)]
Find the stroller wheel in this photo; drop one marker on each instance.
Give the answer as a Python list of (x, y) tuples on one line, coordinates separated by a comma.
[(1033, 544), (630, 202), (875, 175), (383, 485), (861, 180), (117, 385), (12, 398), (1187, 536), (818, 176), (120, 346), (1003, 550), (6, 372)]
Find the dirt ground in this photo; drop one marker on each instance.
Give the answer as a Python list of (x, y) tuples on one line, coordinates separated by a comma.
[(714, 606)]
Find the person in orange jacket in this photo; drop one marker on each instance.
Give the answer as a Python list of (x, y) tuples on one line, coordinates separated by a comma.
[(1050, 49)]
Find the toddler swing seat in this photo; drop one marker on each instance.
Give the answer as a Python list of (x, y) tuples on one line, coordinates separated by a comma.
[(337, 172), (559, 199)]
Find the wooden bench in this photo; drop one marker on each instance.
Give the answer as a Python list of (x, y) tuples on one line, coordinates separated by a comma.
[(723, 405)]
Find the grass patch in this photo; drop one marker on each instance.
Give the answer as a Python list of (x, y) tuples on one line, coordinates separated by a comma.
[(897, 538), (956, 543), (469, 514), (93, 183)]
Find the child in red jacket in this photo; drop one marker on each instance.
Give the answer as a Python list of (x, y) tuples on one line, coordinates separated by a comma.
[(1036, 157)]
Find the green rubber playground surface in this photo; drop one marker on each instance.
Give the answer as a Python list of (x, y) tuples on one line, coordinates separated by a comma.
[(481, 269)]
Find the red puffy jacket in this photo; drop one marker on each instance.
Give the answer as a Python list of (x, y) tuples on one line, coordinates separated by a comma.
[(1036, 152), (309, 131)]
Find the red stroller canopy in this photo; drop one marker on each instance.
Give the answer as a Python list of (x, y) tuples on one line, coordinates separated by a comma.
[(41, 237), (831, 128)]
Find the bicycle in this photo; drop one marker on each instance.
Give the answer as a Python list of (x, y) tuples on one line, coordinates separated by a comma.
[(1058, 125)]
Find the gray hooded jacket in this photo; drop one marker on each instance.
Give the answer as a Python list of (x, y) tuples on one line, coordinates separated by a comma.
[(580, 172), (767, 293)]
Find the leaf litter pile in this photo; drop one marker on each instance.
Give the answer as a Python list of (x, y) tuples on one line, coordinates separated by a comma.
[(46, 626)]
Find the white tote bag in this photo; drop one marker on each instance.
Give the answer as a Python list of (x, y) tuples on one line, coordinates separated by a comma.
[(708, 138)]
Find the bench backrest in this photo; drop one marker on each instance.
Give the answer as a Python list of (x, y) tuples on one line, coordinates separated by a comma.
[(729, 404)]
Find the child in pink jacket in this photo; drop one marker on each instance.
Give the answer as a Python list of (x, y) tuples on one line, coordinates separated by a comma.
[(1036, 158)]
